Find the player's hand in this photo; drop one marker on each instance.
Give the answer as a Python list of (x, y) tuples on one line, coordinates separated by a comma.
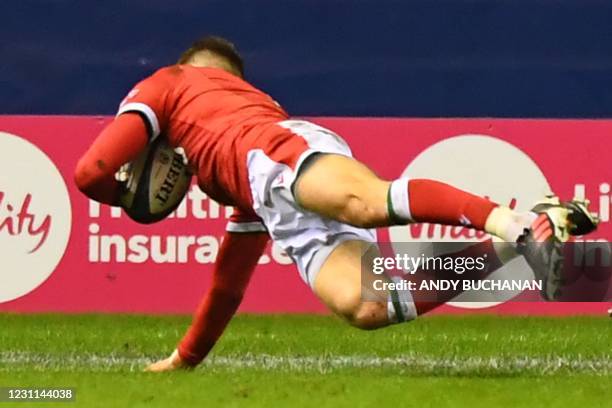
[(172, 363), (123, 174)]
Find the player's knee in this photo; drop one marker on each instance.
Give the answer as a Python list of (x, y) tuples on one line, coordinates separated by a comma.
[(347, 302), (370, 315), (363, 315)]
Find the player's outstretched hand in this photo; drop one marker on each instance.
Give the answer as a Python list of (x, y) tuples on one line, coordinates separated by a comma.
[(172, 363)]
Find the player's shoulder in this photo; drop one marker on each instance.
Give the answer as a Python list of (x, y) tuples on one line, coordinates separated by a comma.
[(159, 82), (189, 72), (173, 74), (168, 73)]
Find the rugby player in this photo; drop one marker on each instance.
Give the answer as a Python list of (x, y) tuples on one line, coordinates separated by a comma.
[(297, 183)]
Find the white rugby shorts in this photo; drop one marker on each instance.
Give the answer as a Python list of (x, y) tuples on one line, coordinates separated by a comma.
[(308, 238)]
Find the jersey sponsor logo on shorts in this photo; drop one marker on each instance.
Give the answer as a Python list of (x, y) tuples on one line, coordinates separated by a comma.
[(35, 217)]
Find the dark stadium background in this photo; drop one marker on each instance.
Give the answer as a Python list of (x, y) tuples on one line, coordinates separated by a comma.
[(420, 58)]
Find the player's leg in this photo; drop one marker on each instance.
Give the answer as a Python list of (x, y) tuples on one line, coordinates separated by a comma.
[(353, 194), (341, 188), (340, 283), (345, 283)]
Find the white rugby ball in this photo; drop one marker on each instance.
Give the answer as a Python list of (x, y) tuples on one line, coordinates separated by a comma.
[(155, 183)]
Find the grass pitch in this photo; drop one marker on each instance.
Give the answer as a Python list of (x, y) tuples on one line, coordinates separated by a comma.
[(443, 361)]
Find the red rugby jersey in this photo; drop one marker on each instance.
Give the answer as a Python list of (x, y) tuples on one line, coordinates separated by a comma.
[(216, 117)]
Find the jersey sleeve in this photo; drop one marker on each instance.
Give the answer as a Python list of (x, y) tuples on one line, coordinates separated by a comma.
[(242, 221), (149, 99)]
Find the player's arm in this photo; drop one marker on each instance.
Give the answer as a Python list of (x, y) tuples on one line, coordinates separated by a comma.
[(119, 143), (236, 261), (141, 118)]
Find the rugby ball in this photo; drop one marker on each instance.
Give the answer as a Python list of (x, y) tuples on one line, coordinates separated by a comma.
[(155, 183)]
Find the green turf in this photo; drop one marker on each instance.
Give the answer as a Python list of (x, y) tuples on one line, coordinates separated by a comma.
[(475, 361)]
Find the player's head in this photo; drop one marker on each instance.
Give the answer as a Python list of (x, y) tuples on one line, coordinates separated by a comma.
[(212, 51)]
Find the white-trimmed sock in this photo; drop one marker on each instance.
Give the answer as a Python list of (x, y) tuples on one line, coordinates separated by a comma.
[(398, 201), (508, 224)]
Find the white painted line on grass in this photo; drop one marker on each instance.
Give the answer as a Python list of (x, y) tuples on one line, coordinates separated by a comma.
[(10, 361)]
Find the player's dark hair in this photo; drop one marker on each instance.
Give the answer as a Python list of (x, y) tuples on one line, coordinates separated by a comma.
[(217, 45)]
